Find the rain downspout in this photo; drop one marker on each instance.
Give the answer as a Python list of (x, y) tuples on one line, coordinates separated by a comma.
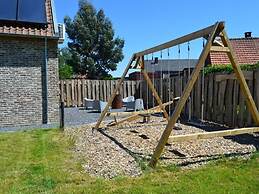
[(45, 97)]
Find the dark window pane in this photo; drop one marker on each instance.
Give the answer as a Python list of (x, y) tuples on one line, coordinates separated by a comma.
[(8, 9), (32, 11)]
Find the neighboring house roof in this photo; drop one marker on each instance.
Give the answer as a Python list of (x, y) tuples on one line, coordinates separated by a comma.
[(171, 65), (50, 30), (246, 51)]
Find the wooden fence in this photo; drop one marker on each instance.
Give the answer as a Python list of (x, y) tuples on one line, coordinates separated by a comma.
[(223, 100), (74, 91)]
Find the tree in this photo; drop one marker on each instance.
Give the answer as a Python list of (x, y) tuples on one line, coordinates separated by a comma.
[(64, 59), (65, 71), (95, 51)]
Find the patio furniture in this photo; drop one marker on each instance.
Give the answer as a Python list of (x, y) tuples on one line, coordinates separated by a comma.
[(96, 105), (117, 102), (135, 105), (129, 102), (139, 105), (89, 103)]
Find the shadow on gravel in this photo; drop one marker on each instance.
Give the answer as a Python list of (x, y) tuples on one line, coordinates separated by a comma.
[(137, 156)]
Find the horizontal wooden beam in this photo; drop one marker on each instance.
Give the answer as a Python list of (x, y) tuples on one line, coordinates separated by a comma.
[(134, 117), (219, 49), (208, 135), (158, 110), (192, 36), (136, 125)]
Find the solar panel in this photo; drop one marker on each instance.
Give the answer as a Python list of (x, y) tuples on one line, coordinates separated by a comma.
[(33, 11), (8, 9)]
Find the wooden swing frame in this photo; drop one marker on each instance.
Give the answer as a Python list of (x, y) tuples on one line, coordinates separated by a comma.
[(210, 33)]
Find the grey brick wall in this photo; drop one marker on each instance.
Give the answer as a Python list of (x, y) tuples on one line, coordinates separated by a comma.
[(21, 82)]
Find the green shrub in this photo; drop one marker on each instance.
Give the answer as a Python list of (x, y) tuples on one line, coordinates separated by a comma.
[(228, 68), (65, 71)]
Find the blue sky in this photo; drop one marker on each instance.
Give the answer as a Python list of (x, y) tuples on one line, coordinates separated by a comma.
[(145, 23)]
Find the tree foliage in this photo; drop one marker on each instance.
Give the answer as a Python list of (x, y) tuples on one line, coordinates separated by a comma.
[(65, 72), (64, 59), (95, 51)]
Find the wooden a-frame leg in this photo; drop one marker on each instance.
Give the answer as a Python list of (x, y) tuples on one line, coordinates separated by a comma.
[(167, 132), (114, 94), (240, 76), (155, 94), (152, 88)]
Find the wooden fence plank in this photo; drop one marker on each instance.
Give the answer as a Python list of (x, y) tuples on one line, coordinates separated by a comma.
[(69, 92), (205, 101), (235, 103), (73, 92), (221, 101), (197, 98), (241, 110), (210, 96), (248, 114), (79, 93), (215, 99), (229, 103), (83, 90)]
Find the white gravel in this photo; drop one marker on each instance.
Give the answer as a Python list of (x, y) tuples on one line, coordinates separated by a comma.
[(121, 150)]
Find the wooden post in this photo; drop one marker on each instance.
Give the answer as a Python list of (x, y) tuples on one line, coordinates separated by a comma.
[(167, 132), (62, 115), (241, 79), (114, 93), (208, 135)]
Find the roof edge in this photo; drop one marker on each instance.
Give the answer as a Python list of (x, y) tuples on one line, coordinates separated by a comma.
[(54, 18), (30, 36)]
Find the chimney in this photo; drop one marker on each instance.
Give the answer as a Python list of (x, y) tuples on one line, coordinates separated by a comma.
[(248, 34)]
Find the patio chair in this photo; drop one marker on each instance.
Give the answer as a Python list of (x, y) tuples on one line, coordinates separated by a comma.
[(139, 105), (129, 102), (89, 104), (136, 105), (97, 105)]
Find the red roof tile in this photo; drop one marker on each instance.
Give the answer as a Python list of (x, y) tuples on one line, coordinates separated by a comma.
[(31, 30), (246, 51)]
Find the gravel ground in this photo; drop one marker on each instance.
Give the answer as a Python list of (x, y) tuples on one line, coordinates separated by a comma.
[(122, 150)]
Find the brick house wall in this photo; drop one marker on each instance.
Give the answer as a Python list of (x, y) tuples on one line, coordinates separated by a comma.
[(22, 81)]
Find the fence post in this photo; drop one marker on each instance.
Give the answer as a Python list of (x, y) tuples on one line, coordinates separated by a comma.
[(62, 115)]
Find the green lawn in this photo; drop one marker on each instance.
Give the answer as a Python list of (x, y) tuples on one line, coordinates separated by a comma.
[(41, 161)]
